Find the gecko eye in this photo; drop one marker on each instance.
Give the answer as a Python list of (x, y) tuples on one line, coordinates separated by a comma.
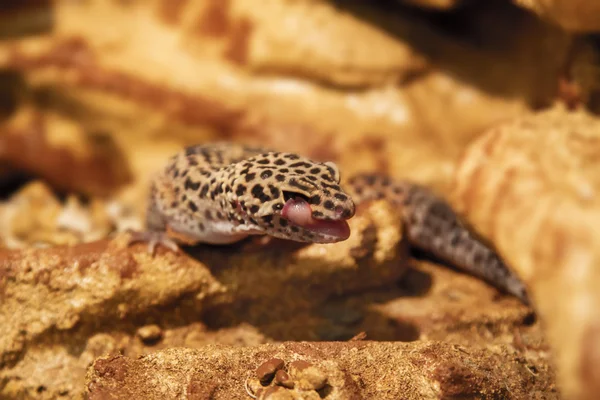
[(287, 195)]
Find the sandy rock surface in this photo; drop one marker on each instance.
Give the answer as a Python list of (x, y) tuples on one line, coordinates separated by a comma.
[(428, 370), (94, 296)]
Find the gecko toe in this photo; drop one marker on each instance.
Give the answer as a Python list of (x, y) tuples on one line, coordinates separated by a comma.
[(153, 239)]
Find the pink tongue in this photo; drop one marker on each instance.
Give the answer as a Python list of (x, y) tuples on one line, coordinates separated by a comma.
[(298, 212)]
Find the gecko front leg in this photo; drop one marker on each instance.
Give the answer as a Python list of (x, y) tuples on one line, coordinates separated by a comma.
[(157, 231)]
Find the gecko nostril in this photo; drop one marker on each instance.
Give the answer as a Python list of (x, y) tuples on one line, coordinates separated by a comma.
[(339, 211)]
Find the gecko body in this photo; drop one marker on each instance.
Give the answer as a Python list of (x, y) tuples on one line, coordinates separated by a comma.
[(221, 193)]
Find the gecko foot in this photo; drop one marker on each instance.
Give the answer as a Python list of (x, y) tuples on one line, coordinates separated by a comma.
[(153, 238)]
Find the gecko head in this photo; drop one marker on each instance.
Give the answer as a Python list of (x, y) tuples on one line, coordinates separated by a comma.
[(296, 198)]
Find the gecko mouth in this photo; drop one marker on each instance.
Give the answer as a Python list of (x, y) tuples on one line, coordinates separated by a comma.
[(298, 212)]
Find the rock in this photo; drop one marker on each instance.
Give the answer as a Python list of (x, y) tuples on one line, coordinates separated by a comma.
[(532, 187), (366, 370), (573, 15)]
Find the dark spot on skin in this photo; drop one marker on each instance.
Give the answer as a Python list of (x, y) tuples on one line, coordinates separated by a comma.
[(254, 209), (176, 173), (334, 187), (455, 240), (192, 161), (299, 171), (219, 215), (317, 214), (253, 221), (328, 205), (315, 170), (277, 207), (208, 215), (173, 204), (492, 258), (326, 177), (274, 191), (204, 190), (341, 196), (295, 183), (316, 200), (184, 173), (258, 192), (477, 258), (397, 190), (311, 178), (241, 189), (266, 174), (279, 162), (268, 219), (295, 229), (284, 170), (283, 222), (280, 178), (263, 161), (370, 179), (300, 164), (249, 177), (346, 213), (291, 157), (201, 226), (439, 210), (192, 206)]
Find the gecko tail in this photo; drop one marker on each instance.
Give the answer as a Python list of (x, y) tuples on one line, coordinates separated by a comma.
[(432, 226), (369, 187)]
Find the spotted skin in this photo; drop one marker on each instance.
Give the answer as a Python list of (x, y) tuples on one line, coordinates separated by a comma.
[(432, 226), (221, 193)]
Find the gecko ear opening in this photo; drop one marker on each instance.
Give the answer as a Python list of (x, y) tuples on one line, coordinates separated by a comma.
[(333, 170)]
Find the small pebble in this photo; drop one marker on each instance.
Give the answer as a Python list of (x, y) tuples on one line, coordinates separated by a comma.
[(282, 378), (150, 333), (266, 371)]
